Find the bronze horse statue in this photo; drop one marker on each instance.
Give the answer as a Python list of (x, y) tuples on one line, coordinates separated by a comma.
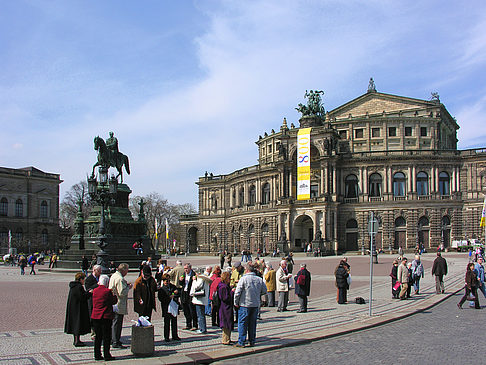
[(109, 159)]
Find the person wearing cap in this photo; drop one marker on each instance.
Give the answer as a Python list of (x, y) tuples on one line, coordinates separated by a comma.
[(439, 269), (236, 274), (144, 293), (302, 287)]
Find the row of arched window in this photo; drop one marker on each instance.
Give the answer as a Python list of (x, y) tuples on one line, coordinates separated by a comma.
[(399, 186), (18, 235), (400, 222), (19, 208)]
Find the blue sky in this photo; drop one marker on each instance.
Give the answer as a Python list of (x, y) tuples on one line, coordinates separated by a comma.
[(188, 86)]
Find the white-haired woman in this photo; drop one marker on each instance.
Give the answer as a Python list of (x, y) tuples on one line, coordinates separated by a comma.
[(102, 316)]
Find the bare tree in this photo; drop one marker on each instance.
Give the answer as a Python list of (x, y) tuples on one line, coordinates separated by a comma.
[(69, 205)]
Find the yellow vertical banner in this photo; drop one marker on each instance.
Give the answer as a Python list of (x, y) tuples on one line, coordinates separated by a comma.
[(303, 164)]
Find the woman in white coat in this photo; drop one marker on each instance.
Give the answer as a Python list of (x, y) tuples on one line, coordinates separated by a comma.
[(200, 296)]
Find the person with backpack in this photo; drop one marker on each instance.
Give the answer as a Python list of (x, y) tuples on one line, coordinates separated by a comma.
[(32, 262), (417, 273), (302, 287)]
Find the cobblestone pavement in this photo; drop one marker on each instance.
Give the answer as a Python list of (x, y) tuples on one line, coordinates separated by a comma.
[(44, 297), (442, 335)]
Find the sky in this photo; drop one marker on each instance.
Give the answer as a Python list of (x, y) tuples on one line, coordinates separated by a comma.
[(188, 86)]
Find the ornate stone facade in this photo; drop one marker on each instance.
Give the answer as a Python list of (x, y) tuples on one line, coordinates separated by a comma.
[(29, 208), (393, 155)]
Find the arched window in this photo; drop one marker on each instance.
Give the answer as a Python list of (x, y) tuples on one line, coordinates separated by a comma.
[(446, 221), (45, 237), (43, 209), (241, 197), (422, 183), (375, 185), (400, 222), (351, 186), (4, 207), (444, 182), (266, 193), (252, 195), (399, 184), (19, 208), (423, 221), (234, 197)]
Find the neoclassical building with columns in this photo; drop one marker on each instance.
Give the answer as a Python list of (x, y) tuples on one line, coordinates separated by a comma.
[(391, 155)]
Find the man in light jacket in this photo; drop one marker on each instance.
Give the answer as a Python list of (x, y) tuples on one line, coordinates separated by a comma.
[(247, 298), (402, 277), (120, 288), (283, 277)]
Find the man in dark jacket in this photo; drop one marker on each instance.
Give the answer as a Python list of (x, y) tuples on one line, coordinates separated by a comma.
[(302, 287), (341, 274), (186, 300), (439, 269), (144, 291)]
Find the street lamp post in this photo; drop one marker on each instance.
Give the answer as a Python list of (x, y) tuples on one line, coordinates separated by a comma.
[(103, 192)]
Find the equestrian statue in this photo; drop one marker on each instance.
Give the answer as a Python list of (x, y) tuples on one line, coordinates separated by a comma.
[(109, 156)]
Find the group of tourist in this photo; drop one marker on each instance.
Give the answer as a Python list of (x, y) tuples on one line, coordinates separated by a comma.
[(97, 304), (474, 281)]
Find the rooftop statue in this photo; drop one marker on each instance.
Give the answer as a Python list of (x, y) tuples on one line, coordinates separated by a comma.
[(109, 156), (314, 105), (371, 86)]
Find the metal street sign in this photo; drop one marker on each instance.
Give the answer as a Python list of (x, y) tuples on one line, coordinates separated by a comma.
[(373, 226)]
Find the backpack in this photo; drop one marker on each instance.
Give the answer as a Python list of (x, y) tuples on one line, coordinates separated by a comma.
[(301, 279), (216, 301), (360, 300)]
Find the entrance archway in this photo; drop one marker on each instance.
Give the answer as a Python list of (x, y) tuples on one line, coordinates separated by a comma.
[(446, 230), (400, 233), (351, 235), (303, 230), (192, 240), (423, 232)]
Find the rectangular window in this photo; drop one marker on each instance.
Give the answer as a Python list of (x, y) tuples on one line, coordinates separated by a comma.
[(314, 191), (423, 131), (375, 132), (343, 134), (392, 131), (358, 133), (269, 148), (408, 131)]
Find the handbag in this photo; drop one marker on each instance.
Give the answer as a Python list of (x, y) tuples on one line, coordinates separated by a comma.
[(396, 286), (173, 308), (348, 279), (199, 293)]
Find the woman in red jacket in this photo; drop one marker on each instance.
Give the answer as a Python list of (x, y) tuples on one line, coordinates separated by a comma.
[(102, 316)]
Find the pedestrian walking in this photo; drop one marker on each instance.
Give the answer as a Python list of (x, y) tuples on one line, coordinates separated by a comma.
[(479, 270), (439, 270), (102, 317), (341, 273), (32, 263), (470, 287), (394, 275), (120, 288), (302, 287), (417, 273), (221, 259), (247, 298), (22, 264), (84, 265), (77, 320)]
